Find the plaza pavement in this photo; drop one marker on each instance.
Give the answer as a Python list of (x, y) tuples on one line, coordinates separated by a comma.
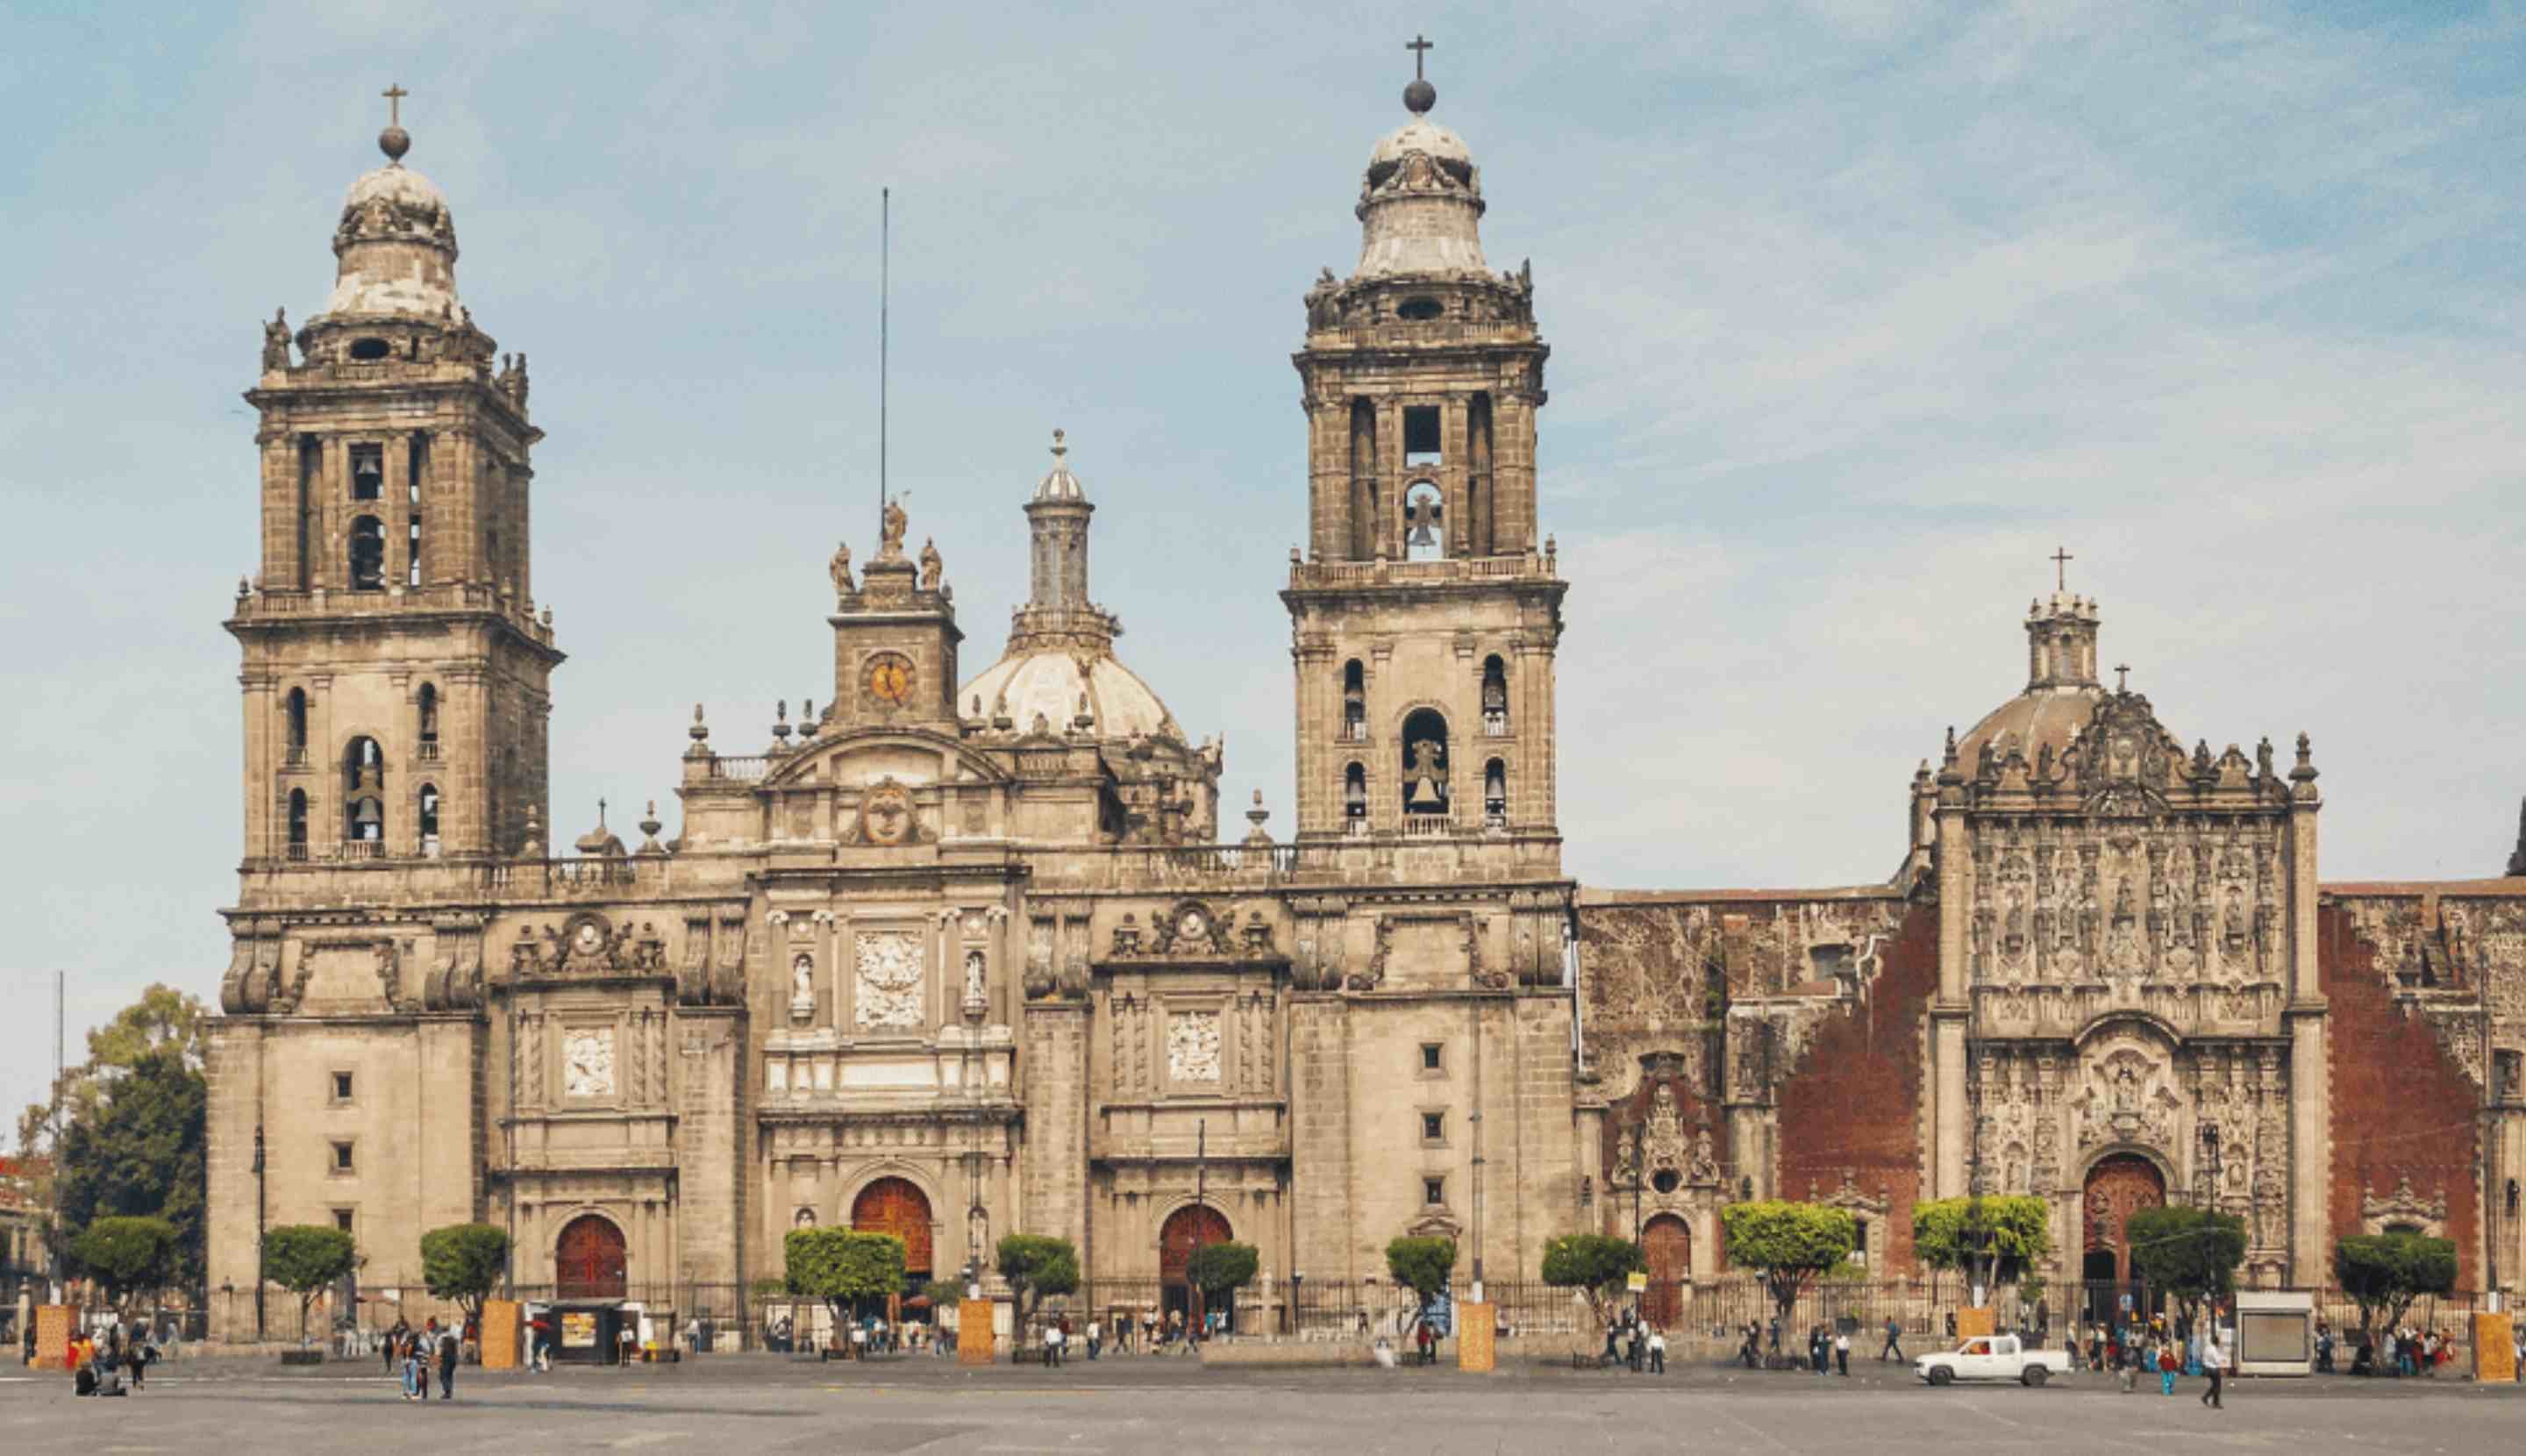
[(730, 1404)]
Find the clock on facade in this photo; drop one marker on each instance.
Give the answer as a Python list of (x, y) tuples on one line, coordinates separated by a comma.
[(890, 679)]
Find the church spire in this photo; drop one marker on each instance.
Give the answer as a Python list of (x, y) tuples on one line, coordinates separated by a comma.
[(1058, 609)]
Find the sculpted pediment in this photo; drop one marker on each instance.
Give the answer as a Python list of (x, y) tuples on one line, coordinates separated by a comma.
[(909, 756)]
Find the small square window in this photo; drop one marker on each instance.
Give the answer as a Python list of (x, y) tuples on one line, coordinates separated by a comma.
[(1432, 1056), (341, 1086), (1434, 1192), (342, 1218), (1433, 1127), (341, 1157)]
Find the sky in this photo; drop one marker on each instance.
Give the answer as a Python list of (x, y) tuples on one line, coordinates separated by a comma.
[(1858, 311)]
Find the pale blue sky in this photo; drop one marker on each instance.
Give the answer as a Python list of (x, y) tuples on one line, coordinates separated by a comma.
[(1857, 309)]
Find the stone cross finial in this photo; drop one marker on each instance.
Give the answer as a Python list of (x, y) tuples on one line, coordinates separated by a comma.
[(2122, 678), (2061, 559), (1419, 47), (394, 94)]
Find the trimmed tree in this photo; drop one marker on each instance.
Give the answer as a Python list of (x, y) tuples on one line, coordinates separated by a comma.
[(2387, 1272), (304, 1258), (465, 1262), (2189, 1253), (1593, 1264), (1035, 1265), (1992, 1240), (1422, 1265), (1219, 1269), (131, 1255), (1789, 1244), (842, 1267)]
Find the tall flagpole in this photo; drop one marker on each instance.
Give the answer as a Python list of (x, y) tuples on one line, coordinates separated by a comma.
[(885, 250)]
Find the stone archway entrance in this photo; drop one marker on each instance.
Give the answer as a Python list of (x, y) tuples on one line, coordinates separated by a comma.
[(1666, 1244), (2118, 1186), (897, 1206), (1187, 1229), (589, 1262)]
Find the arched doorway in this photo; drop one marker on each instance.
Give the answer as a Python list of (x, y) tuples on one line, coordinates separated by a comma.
[(587, 1260), (1187, 1229), (1666, 1244), (897, 1206), (2118, 1186)]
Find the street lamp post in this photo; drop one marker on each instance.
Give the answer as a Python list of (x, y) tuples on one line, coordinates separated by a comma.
[(258, 1230)]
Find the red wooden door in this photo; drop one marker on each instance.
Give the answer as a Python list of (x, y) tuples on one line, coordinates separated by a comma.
[(2120, 1186), (1667, 1244), (589, 1260), (1187, 1229), (893, 1205)]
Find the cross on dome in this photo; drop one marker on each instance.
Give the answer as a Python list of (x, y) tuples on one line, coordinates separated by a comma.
[(1420, 95), (2061, 559), (394, 141)]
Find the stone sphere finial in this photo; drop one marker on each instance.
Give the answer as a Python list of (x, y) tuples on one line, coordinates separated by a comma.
[(1419, 96), (394, 141)]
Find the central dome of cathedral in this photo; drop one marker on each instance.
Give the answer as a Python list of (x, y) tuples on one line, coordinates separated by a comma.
[(1050, 683)]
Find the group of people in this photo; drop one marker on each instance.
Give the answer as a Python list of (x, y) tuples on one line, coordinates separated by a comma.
[(101, 1361), (415, 1353), (2401, 1351), (1634, 1341)]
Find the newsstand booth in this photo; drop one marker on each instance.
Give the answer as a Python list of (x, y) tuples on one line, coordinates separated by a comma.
[(2275, 1334), (592, 1333)]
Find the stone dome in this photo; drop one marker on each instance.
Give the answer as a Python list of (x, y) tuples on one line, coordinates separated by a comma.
[(1058, 484), (397, 246), (1050, 681), (1420, 134), (2032, 719)]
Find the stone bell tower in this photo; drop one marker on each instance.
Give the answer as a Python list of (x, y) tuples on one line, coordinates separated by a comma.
[(396, 677), (1425, 614)]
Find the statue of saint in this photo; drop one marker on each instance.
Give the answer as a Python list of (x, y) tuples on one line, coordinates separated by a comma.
[(841, 569), (931, 565), (891, 528), (275, 340), (2126, 1092)]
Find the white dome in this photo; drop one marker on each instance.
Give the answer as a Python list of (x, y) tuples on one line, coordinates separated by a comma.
[(1420, 134), (396, 244), (398, 184), (1049, 682)]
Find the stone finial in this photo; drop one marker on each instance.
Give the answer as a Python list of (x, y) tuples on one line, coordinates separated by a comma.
[(1258, 835), (2517, 856)]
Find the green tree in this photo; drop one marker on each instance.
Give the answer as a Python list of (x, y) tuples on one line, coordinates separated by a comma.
[(1035, 1265), (133, 1256), (2189, 1253), (1422, 1265), (465, 1262), (304, 1258), (842, 1266), (139, 1152), (2387, 1272), (1593, 1264), (1787, 1244), (1219, 1269), (1992, 1240)]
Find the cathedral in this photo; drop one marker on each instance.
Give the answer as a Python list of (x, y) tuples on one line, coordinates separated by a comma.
[(962, 955)]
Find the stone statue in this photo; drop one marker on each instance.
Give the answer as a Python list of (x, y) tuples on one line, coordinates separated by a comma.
[(2126, 1090), (802, 979), (891, 528), (841, 570), (930, 564), (275, 340)]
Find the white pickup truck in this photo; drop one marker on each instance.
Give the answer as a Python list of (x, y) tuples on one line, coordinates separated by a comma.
[(1991, 1357)]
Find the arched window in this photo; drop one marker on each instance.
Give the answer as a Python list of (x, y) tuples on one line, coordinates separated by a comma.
[(299, 823), (1355, 798), (1425, 763), (1425, 530), (1495, 792), (364, 792), (294, 710), (1495, 697), (428, 820), (368, 555), (428, 720), (1354, 702), (368, 471)]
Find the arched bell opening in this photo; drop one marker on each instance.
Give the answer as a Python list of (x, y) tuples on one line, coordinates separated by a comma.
[(1424, 764)]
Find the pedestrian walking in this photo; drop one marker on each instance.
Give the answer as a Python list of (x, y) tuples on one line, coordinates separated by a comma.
[(424, 1350), (1842, 1351), (401, 1344), (449, 1347), (2214, 1364), (1095, 1339), (1052, 1340), (1426, 1340), (1657, 1352), (1893, 1346), (2167, 1366)]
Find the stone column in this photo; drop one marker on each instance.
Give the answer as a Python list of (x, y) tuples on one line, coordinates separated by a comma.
[(2310, 1079)]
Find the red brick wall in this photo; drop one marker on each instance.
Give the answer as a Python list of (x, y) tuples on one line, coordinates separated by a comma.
[(2401, 1108), (1857, 1101)]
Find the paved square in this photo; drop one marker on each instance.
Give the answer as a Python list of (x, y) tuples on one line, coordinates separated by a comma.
[(766, 1403)]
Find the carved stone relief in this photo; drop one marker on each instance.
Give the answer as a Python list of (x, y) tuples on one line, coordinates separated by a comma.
[(1193, 1047), (887, 996)]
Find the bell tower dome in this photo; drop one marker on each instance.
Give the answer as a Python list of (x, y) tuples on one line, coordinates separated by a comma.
[(1427, 608), (396, 672)]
